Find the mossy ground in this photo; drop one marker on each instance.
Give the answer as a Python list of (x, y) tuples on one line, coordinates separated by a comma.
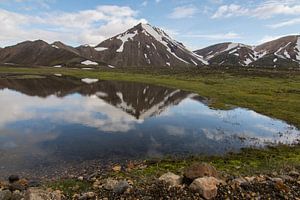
[(248, 162)]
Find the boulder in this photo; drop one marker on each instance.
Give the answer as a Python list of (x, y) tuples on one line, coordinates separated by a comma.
[(5, 195), (206, 187), (109, 184), (121, 187), (39, 194), (171, 179), (199, 170), (13, 178)]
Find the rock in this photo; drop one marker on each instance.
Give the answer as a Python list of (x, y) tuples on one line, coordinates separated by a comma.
[(250, 179), (39, 194), (294, 173), (238, 182), (96, 184), (199, 170), (110, 184), (17, 195), (117, 168), (80, 178), (121, 187), (88, 195), (23, 182), (279, 184), (206, 187), (286, 177), (5, 195), (13, 178), (171, 179)]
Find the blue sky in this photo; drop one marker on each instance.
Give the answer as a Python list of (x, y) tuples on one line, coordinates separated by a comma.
[(196, 23)]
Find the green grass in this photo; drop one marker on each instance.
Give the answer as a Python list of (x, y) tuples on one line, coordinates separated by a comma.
[(70, 186), (248, 162), (273, 93)]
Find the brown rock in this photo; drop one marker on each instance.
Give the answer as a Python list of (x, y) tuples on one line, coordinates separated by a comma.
[(206, 187), (199, 170)]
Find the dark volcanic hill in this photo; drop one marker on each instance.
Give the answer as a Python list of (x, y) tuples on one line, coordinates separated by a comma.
[(39, 53)]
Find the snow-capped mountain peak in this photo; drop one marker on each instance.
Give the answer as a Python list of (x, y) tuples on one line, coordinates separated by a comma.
[(145, 45)]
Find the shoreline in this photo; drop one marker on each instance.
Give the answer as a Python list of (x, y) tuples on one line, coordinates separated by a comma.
[(259, 168)]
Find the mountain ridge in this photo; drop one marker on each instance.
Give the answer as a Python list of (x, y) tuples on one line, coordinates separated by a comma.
[(147, 46)]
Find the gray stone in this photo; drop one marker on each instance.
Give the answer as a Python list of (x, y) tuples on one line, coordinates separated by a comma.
[(171, 179), (121, 187), (5, 195), (110, 183)]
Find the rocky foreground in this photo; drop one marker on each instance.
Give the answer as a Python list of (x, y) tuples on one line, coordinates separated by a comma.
[(198, 181)]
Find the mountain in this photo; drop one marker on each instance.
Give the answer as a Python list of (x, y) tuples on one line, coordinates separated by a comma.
[(145, 45), (40, 53), (235, 54), (283, 52)]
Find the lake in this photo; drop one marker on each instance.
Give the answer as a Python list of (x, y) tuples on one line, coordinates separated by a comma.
[(62, 121)]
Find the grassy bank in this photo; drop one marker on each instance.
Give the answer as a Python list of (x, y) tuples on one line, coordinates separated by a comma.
[(250, 162), (273, 93)]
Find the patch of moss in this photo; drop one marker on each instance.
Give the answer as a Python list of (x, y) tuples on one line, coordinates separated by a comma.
[(70, 186), (246, 162)]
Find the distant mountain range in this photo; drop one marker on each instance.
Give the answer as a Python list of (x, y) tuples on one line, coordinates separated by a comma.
[(148, 46)]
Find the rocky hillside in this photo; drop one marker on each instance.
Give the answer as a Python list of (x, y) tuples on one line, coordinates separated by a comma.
[(283, 52)]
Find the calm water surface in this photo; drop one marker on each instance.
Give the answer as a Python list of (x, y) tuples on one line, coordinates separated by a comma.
[(54, 120)]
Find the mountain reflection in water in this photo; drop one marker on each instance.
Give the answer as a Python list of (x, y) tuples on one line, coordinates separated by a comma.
[(47, 121)]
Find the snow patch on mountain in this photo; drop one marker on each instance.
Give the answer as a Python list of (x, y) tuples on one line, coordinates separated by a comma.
[(101, 48), (124, 38), (231, 46), (160, 36), (54, 46), (298, 48), (88, 62)]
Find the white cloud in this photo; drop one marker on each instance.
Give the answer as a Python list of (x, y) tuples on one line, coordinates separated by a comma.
[(230, 10), (86, 26), (285, 23), (266, 9), (183, 12)]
